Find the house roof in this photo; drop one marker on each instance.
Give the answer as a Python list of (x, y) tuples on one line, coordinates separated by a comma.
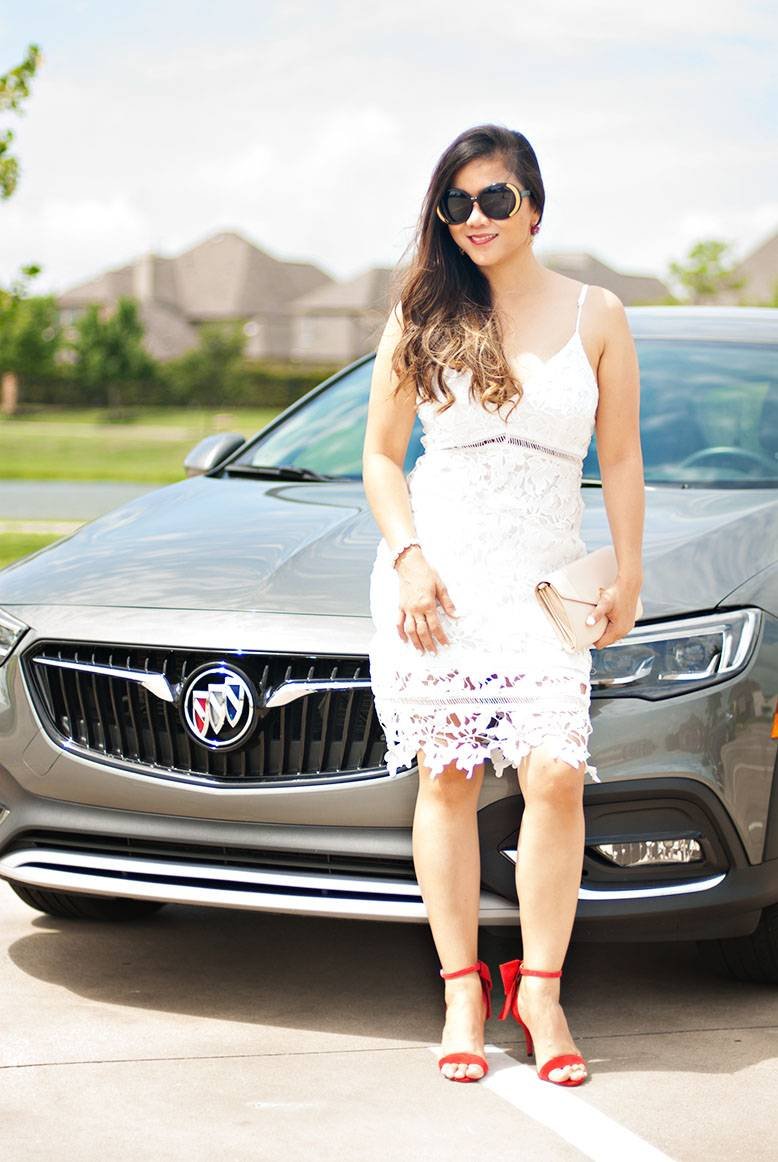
[(760, 269), (105, 288), (223, 277), (228, 277), (372, 290), (369, 291), (630, 288), (166, 333)]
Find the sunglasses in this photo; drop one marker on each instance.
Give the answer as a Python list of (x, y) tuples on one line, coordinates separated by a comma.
[(500, 200)]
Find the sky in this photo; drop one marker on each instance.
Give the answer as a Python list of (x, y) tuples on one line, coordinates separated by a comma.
[(312, 127)]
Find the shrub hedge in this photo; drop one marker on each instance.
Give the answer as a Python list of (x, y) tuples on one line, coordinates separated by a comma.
[(251, 384)]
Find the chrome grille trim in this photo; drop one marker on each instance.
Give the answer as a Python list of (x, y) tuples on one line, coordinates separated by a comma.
[(154, 683), (265, 889), (191, 883), (158, 684), (121, 704), (288, 692), (328, 857)]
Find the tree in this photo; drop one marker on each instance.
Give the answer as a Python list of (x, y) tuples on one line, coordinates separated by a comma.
[(706, 272), (14, 88), (30, 336), (215, 367), (108, 349), (21, 351)]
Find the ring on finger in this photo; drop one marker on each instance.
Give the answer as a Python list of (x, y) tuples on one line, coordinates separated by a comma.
[(420, 620)]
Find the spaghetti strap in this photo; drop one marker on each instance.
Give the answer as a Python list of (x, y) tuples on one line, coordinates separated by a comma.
[(581, 298)]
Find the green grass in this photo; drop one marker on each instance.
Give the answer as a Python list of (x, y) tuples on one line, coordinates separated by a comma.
[(199, 419), (83, 444), (16, 545)]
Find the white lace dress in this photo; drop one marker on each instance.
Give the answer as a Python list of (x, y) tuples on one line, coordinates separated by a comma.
[(496, 504)]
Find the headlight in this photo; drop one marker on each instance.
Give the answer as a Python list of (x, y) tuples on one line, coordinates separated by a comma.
[(11, 630), (672, 657)]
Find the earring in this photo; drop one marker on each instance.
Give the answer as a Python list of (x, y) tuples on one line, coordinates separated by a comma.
[(534, 229)]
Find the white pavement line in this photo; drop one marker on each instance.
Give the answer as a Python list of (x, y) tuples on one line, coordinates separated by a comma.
[(562, 1110)]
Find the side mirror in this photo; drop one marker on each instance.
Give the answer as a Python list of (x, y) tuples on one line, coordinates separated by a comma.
[(210, 451)]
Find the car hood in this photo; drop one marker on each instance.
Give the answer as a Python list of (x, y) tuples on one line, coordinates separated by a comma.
[(212, 543)]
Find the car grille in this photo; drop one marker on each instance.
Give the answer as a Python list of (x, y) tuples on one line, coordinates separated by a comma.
[(207, 854), (91, 706)]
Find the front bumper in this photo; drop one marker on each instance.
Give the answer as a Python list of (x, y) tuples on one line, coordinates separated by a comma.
[(701, 764), (367, 873)]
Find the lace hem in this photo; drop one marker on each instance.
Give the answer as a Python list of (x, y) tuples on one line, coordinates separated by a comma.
[(402, 751), (501, 736), (464, 716)]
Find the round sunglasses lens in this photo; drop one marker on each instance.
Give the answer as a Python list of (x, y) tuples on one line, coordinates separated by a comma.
[(497, 202), (456, 206)]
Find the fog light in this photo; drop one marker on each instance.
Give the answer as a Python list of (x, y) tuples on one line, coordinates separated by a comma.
[(647, 851), (651, 851)]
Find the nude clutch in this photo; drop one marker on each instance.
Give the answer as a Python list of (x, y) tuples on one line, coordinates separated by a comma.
[(568, 595)]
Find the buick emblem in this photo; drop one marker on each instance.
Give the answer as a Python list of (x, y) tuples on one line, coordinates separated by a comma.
[(219, 706)]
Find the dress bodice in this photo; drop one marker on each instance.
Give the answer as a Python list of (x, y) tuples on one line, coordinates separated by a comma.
[(557, 408)]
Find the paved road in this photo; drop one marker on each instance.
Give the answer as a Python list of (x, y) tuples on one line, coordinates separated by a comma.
[(205, 1033), (77, 500)]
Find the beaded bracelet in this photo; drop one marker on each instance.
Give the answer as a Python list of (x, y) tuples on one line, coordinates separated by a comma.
[(401, 550)]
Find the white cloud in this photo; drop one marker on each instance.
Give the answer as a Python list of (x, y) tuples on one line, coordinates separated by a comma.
[(314, 128), (81, 236), (661, 22)]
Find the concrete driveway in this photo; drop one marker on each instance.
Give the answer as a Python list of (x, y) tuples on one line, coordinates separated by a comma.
[(203, 1033)]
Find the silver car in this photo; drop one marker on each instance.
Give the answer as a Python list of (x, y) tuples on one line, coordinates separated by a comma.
[(185, 704)]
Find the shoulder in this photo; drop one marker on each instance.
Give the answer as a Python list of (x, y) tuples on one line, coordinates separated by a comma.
[(611, 337), (599, 302), (602, 299), (604, 325), (605, 306), (606, 319)]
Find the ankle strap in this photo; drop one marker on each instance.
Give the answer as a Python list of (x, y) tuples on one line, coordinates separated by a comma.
[(537, 972), (461, 971)]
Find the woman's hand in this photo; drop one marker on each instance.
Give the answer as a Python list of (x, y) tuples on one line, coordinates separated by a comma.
[(421, 589), (618, 603)]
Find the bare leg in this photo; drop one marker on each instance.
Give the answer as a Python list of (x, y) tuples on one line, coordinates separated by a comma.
[(548, 875), (448, 869)]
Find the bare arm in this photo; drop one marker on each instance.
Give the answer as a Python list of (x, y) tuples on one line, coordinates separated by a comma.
[(621, 465), (390, 420), (389, 423)]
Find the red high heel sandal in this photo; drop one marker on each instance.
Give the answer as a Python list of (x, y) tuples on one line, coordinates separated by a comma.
[(471, 1058), (510, 973)]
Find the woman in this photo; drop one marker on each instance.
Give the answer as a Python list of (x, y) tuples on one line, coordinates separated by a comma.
[(464, 665)]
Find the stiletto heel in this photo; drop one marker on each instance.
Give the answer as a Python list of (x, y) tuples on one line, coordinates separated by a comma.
[(486, 991), (510, 972)]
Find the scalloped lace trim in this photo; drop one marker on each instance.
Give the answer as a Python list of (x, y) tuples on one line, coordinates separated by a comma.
[(550, 710)]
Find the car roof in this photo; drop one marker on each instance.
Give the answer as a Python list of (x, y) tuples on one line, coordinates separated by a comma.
[(723, 323)]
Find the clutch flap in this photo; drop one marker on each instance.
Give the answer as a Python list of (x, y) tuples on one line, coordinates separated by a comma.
[(582, 579)]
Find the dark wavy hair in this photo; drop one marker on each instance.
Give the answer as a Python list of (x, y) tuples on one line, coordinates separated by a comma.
[(448, 314)]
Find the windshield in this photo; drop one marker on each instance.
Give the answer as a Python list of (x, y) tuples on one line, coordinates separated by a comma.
[(326, 433), (708, 416), (708, 412)]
